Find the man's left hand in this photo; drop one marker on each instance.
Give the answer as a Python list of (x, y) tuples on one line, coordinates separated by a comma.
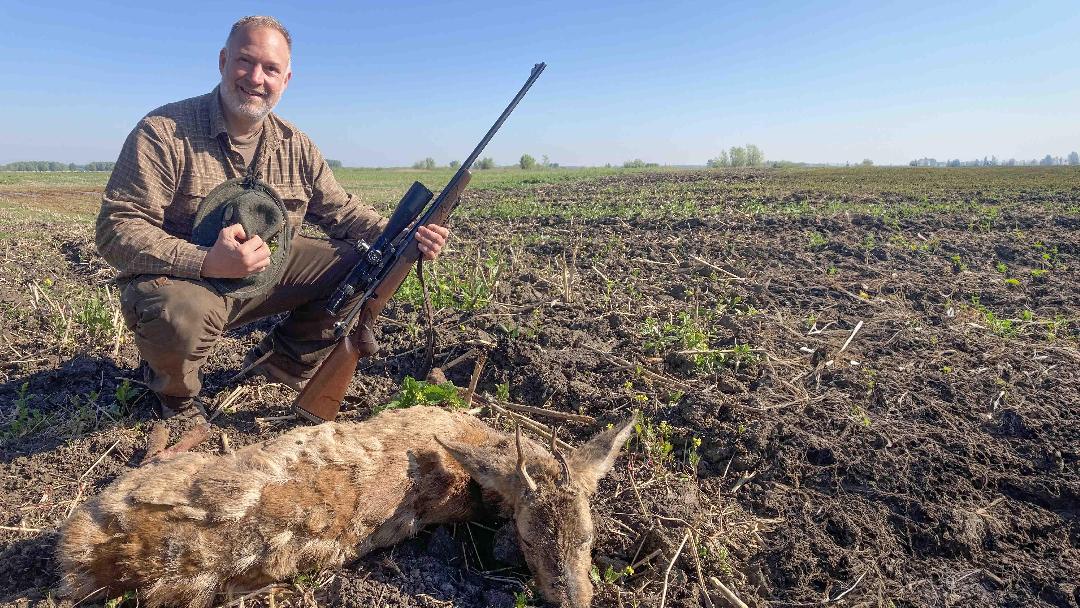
[(430, 240)]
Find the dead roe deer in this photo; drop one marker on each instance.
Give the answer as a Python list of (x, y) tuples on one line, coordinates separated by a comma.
[(184, 529)]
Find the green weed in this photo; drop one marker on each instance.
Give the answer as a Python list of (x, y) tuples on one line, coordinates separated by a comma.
[(420, 392), (1002, 327), (24, 419), (655, 440)]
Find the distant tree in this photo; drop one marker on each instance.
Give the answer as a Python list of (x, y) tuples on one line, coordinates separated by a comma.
[(953, 163), (719, 161), (454, 164), (637, 163), (1047, 160), (1011, 162), (486, 163), (1074, 158), (866, 162), (754, 156), (427, 163), (334, 164), (73, 167), (913, 163), (527, 162), (738, 156)]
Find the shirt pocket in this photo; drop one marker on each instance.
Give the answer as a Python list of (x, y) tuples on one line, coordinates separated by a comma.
[(295, 197), (180, 215)]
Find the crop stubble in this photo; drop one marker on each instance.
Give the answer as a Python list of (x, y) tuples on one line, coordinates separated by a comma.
[(933, 461)]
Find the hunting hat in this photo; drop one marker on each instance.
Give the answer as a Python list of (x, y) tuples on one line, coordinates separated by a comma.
[(253, 204)]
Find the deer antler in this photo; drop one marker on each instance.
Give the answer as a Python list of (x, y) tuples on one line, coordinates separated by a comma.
[(565, 481), (529, 483)]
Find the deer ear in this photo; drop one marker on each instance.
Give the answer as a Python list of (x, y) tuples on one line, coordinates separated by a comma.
[(491, 468), (592, 461)]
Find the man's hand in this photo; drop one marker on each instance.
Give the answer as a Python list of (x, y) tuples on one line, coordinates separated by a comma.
[(430, 240), (235, 256)]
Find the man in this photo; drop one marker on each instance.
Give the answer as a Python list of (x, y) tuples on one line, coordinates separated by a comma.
[(172, 295)]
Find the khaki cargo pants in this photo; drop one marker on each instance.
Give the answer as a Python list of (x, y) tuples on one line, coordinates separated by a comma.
[(178, 321)]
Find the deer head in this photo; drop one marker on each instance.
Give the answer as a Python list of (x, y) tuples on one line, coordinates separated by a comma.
[(549, 495)]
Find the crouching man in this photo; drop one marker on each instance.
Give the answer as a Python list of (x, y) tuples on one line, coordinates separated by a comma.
[(200, 217)]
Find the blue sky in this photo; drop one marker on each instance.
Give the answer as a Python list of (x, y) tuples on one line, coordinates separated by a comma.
[(386, 83)]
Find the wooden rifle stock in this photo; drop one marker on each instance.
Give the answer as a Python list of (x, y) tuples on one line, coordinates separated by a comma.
[(320, 400)]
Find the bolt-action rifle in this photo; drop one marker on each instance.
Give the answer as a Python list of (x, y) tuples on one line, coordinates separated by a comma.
[(382, 268)]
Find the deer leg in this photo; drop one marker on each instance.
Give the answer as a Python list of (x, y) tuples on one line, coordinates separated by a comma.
[(159, 437)]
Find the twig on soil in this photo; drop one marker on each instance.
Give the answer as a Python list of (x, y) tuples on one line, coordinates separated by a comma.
[(641, 545), (478, 368), (728, 594), (742, 481), (480, 562), (528, 409), (858, 326), (90, 595), (228, 401), (648, 558), (276, 418), (457, 361), (75, 501), (240, 600), (734, 277), (602, 275), (624, 364), (993, 577), (648, 261), (11, 363), (849, 589), (697, 567), (21, 529), (671, 564), (98, 461), (119, 335)]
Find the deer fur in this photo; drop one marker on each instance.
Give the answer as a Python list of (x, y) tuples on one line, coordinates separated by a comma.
[(182, 530)]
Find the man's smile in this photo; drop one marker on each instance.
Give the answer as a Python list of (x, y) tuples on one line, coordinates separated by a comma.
[(249, 92)]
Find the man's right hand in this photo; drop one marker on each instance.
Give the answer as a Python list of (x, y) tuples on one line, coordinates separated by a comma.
[(235, 256)]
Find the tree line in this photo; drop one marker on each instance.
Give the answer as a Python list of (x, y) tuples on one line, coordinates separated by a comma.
[(525, 162), (51, 165), (992, 161), (737, 156)]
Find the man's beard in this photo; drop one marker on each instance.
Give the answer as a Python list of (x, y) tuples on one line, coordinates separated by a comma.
[(255, 109)]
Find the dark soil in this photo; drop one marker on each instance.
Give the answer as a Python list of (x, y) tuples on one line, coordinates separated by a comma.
[(933, 461)]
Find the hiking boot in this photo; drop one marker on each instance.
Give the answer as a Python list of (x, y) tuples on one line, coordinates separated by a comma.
[(257, 363)]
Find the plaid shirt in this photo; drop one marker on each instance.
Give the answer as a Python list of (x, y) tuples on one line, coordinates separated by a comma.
[(181, 151)]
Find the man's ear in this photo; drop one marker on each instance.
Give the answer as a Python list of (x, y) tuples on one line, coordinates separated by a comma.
[(592, 461), (221, 61), (491, 466)]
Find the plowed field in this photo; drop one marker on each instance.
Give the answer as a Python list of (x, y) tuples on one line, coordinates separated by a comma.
[(855, 387)]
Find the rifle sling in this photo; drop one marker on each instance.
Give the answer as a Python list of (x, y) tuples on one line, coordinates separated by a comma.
[(429, 351)]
